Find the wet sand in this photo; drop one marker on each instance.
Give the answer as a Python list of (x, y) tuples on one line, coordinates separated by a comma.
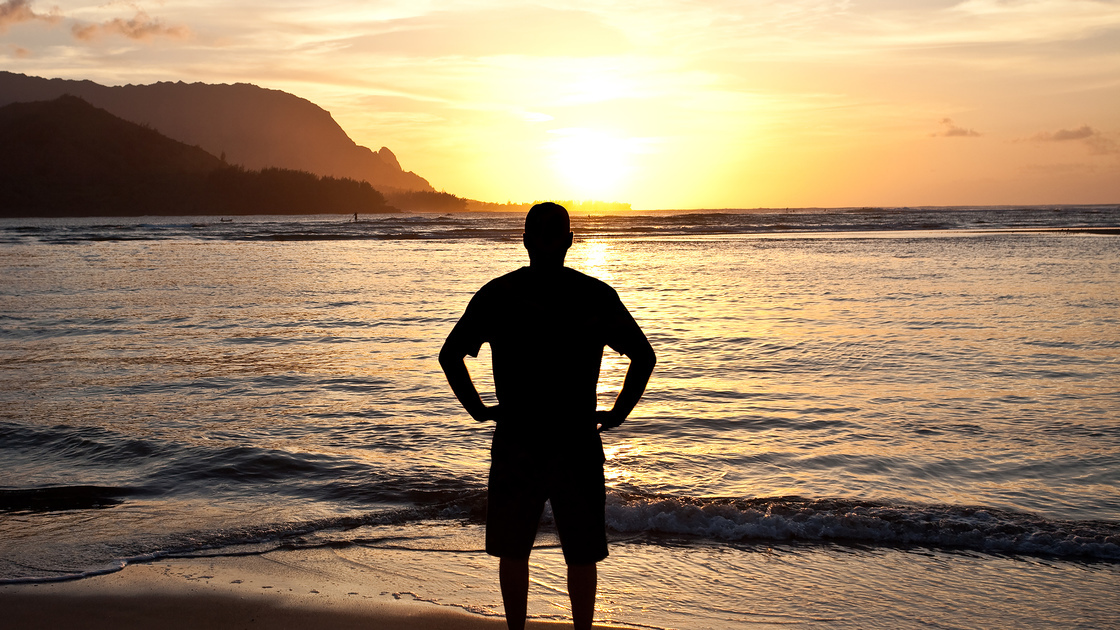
[(305, 589)]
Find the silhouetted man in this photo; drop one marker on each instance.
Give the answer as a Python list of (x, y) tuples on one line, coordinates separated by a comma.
[(547, 326)]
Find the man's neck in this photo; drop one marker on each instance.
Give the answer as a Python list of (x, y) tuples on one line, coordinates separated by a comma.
[(546, 264)]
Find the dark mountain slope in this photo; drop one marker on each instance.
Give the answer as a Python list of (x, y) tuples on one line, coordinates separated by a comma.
[(68, 137), (66, 157), (252, 126)]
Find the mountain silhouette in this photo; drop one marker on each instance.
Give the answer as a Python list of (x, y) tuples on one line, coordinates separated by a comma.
[(68, 137), (65, 157), (250, 126)]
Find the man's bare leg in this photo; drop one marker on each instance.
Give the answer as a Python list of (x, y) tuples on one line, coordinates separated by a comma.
[(582, 582), (513, 575)]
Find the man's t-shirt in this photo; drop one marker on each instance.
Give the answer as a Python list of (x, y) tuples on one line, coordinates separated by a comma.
[(546, 329)]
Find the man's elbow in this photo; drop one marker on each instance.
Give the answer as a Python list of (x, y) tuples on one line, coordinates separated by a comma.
[(644, 359), (448, 358)]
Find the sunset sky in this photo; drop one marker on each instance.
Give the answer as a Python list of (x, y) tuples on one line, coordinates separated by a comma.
[(660, 103)]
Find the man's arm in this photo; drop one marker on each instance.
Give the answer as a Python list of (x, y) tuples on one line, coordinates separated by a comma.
[(455, 368), (642, 360)]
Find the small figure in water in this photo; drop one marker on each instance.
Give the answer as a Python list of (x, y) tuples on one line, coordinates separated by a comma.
[(355, 217), (547, 326)]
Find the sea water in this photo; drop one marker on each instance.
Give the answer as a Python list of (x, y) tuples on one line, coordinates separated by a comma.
[(865, 417)]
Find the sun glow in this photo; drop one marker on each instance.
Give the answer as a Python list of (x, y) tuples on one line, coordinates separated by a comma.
[(683, 104), (594, 164)]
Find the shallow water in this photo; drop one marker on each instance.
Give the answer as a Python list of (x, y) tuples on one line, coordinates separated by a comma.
[(676, 583), (928, 393)]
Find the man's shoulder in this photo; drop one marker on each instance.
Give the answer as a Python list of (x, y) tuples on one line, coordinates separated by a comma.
[(523, 282), (579, 276), (526, 275), (505, 282), (588, 283), (500, 290)]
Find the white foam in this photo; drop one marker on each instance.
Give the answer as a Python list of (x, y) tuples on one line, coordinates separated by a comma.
[(794, 519)]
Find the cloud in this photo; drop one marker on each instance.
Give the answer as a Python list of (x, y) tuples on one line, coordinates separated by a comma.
[(1061, 135), (1097, 142), (141, 27), (16, 11), (952, 131), (1101, 145), (19, 51), (527, 30)]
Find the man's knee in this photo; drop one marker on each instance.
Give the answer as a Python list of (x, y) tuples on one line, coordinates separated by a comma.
[(512, 563)]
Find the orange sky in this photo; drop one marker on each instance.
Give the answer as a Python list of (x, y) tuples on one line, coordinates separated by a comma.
[(663, 104)]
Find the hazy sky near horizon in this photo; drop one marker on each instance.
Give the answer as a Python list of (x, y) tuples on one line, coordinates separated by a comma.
[(660, 103)]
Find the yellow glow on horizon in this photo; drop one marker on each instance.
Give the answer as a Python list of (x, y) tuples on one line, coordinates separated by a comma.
[(677, 105), (594, 164)]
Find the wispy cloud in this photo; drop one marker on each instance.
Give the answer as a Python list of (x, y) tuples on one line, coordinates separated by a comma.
[(528, 30), (1062, 135), (1097, 142), (16, 11), (950, 130), (1102, 146), (140, 27)]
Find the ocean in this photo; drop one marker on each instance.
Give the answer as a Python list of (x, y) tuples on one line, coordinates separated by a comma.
[(865, 417)]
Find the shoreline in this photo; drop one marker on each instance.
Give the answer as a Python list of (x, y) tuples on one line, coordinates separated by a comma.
[(644, 587), (304, 589)]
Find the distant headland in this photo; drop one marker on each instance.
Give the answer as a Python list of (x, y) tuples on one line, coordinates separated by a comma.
[(249, 125), (74, 148), (66, 157)]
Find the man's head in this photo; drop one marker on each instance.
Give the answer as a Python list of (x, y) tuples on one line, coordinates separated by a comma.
[(548, 234)]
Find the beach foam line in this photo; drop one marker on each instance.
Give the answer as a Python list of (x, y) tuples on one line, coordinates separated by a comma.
[(797, 519), (761, 520)]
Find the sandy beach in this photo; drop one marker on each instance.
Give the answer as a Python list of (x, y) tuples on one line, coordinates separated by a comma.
[(304, 589)]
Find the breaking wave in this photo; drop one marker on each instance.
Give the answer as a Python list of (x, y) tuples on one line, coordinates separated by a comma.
[(796, 519)]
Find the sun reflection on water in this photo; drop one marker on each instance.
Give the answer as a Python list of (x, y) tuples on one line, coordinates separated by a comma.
[(593, 257)]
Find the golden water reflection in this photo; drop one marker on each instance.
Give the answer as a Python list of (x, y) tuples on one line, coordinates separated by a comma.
[(920, 369)]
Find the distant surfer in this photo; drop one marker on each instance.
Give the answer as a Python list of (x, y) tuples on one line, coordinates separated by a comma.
[(355, 217), (547, 326)]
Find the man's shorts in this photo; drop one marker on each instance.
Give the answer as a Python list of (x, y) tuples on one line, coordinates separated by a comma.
[(519, 485)]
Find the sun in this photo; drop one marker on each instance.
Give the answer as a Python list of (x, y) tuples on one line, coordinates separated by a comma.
[(593, 164)]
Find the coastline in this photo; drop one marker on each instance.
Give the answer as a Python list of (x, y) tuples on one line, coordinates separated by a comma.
[(305, 589), (643, 587)]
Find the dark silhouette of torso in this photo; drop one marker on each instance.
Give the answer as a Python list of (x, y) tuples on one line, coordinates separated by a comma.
[(547, 329)]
